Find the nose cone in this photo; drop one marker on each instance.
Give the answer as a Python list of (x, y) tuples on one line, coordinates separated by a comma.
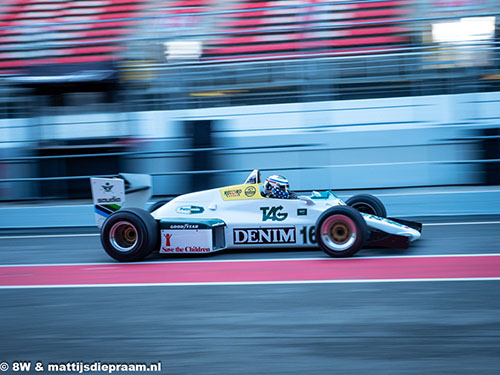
[(413, 234)]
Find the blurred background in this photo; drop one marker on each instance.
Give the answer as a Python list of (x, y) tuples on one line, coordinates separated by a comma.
[(197, 93)]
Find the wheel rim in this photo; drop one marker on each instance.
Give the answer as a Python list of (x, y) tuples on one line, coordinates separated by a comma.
[(365, 208), (339, 232), (123, 236)]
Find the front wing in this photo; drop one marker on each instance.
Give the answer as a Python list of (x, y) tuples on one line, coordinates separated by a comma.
[(380, 238)]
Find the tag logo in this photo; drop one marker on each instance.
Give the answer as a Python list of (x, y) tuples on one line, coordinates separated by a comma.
[(273, 213), (167, 236)]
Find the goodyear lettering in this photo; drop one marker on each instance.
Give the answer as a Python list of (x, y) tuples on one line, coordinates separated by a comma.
[(184, 226), (273, 213), (264, 235)]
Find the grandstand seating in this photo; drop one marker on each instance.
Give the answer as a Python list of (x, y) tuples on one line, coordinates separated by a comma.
[(314, 26), (40, 32), (277, 29)]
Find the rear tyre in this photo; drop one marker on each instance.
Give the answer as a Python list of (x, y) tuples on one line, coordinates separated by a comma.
[(341, 231), (130, 235), (368, 204)]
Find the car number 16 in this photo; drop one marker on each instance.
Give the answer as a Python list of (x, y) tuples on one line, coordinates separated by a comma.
[(308, 235)]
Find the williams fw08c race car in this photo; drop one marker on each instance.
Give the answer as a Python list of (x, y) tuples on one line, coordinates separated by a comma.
[(239, 216)]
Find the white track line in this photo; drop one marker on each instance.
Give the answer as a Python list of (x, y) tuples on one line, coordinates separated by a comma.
[(461, 223), (251, 283), (325, 257)]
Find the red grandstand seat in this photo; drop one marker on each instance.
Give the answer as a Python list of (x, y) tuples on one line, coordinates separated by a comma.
[(40, 32), (257, 28), (53, 31)]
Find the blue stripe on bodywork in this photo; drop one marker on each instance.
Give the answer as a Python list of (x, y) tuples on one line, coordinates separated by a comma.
[(101, 212)]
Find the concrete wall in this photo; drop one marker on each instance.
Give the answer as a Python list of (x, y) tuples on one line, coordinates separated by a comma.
[(374, 143), (355, 144)]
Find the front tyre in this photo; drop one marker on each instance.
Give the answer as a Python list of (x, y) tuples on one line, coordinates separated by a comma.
[(129, 235), (341, 231), (367, 204)]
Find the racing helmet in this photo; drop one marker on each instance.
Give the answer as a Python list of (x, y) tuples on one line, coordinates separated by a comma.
[(277, 187)]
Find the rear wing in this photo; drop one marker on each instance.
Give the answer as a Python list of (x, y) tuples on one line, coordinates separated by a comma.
[(113, 193)]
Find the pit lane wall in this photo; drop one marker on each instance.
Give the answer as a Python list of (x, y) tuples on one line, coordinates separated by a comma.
[(355, 144)]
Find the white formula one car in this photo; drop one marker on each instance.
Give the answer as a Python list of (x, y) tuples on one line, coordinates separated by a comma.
[(239, 217)]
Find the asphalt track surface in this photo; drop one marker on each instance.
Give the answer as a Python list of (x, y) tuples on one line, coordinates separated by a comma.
[(430, 309)]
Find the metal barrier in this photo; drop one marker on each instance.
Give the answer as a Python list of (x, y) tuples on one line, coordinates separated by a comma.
[(413, 71)]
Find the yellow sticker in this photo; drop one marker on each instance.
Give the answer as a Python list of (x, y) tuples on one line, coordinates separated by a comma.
[(240, 192)]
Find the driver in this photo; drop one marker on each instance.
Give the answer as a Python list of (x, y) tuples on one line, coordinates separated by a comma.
[(277, 187)]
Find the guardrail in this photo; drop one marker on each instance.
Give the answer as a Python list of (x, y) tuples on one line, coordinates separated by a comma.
[(411, 71)]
